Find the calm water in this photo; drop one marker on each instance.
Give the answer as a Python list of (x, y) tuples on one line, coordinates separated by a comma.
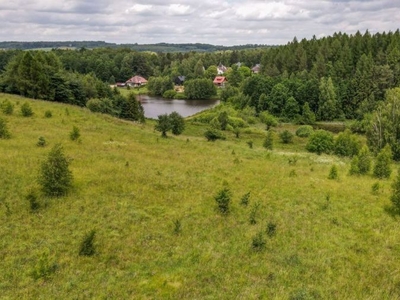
[(153, 106)]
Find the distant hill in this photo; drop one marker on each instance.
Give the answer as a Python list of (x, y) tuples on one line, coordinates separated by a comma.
[(159, 47)]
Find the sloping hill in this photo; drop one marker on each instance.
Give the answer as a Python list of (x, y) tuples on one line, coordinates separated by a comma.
[(324, 239)]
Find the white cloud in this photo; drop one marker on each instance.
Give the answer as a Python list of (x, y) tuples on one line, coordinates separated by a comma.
[(228, 22)]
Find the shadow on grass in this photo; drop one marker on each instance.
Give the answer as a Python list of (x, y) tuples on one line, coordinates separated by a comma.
[(392, 211)]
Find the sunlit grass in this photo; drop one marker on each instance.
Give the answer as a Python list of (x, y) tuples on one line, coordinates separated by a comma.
[(333, 239)]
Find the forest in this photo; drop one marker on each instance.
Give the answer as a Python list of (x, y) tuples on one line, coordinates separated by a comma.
[(340, 77)]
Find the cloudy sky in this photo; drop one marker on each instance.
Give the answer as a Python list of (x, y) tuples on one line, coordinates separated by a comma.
[(224, 22)]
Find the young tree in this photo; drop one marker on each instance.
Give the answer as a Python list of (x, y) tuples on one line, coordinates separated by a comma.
[(395, 198), (163, 124), (346, 144), (177, 123), (4, 133), (328, 106), (382, 167), (55, 177), (364, 160), (269, 141)]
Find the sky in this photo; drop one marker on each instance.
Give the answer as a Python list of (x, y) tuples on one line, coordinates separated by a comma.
[(222, 22)]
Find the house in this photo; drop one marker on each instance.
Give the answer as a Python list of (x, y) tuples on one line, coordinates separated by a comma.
[(179, 80), (220, 81), (256, 69), (136, 81), (221, 69)]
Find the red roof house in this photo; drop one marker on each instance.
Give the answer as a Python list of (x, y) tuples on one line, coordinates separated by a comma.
[(220, 81), (136, 81)]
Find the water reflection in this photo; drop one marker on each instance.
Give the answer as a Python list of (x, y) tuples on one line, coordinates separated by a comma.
[(154, 106)]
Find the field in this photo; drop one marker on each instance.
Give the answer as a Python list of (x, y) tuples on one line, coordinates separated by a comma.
[(158, 233)]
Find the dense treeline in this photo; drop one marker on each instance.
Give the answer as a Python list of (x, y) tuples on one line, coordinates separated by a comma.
[(336, 77), (159, 47)]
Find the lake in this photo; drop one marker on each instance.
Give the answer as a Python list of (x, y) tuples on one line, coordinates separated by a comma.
[(154, 106)]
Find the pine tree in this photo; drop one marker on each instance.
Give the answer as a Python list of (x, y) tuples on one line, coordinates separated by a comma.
[(55, 177), (382, 167)]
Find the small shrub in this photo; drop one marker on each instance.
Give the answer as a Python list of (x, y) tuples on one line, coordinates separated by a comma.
[(74, 134), (395, 198), (250, 144), (48, 114), (253, 213), (212, 134), (293, 173), (304, 131), (364, 160), (223, 199), (269, 141), (271, 229), (354, 168), (4, 133), (26, 110), (169, 94), (320, 141), (382, 167), (245, 199), (44, 268), (293, 160), (258, 243), (87, 245), (177, 227), (7, 107), (286, 137), (41, 142), (376, 187), (333, 173), (32, 197)]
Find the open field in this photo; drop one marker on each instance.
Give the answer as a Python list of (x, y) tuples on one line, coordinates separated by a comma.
[(333, 239)]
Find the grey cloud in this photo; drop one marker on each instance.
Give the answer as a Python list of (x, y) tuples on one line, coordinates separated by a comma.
[(226, 22)]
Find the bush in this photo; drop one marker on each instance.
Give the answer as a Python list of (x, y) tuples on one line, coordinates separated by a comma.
[(286, 137), (7, 107), (245, 199), (382, 167), (223, 199), (41, 142), (354, 168), (44, 268), (4, 133), (212, 134), (346, 144), (180, 96), (74, 134), (169, 94), (268, 119), (55, 178), (320, 141), (87, 246), (269, 141), (48, 114), (253, 213), (395, 198), (26, 110), (177, 123), (258, 243), (304, 131), (271, 229), (364, 160), (32, 197), (333, 173)]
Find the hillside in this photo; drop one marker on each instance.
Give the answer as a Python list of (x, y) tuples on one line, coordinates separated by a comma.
[(333, 238)]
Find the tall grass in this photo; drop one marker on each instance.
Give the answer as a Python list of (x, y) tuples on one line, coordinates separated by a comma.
[(130, 186)]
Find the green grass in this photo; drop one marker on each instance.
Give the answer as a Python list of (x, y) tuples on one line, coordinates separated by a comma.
[(333, 238)]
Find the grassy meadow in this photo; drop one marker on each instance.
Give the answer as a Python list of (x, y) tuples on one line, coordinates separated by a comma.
[(333, 239)]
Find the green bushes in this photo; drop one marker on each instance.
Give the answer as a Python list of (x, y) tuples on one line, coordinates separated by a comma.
[(26, 110), (213, 134), (169, 94), (286, 137), (346, 144), (4, 133), (74, 134), (174, 122), (304, 131), (7, 107), (87, 245), (382, 167), (320, 141), (223, 198)]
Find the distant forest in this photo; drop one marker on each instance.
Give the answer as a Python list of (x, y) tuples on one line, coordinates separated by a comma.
[(159, 47), (339, 77)]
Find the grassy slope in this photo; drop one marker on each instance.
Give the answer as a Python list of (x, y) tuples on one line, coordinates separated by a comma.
[(130, 185)]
